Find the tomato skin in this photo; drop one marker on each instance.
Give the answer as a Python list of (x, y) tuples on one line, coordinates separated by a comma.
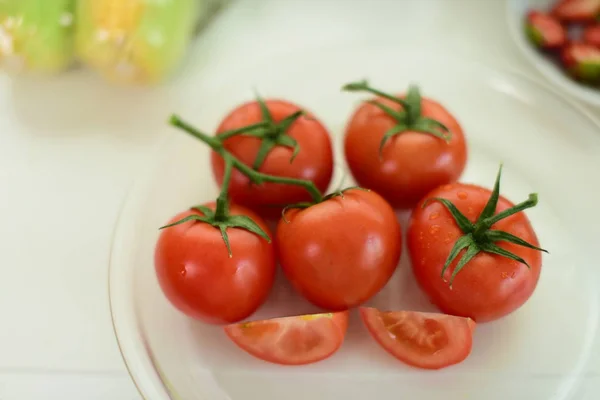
[(305, 340), (341, 252), (489, 286), (313, 162), (411, 163), (591, 35), (422, 340), (199, 278)]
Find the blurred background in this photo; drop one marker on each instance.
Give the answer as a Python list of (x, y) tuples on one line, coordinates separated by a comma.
[(85, 89)]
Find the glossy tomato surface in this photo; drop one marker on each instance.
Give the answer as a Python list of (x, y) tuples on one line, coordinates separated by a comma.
[(341, 252), (297, 340), (423, 340), (489, 286), (313, 162), (411, 163), (197, 275)]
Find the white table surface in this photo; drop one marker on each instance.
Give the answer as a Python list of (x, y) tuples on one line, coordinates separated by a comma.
[(66, 169)]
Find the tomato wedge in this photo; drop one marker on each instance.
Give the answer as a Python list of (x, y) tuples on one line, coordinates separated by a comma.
[(297, 340), (423, 340)]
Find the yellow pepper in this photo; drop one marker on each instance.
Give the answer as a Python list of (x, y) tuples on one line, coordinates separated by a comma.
[(136, 41)]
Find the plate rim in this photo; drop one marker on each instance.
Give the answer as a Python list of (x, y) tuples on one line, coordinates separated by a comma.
[(169, 141)]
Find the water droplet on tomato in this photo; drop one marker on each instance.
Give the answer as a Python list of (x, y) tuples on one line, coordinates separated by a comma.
[(462, 195), (183, 272), (434, 215), (433, 229)]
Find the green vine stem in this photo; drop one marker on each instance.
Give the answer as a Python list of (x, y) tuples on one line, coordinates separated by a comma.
[(256, 177), (269, 132), (479, 236), (221, 218), (410, 118)]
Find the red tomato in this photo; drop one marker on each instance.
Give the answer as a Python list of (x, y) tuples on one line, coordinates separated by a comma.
[(582, 61), (591, 35), (424, 340), (411, 163), (570, 11), (340, 252), (296, 340), (545, 31), (313, 162), (489, 286), (199, 277)]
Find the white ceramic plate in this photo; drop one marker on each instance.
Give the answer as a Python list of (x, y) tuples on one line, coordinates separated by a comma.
[(516, 11), (543, 351)]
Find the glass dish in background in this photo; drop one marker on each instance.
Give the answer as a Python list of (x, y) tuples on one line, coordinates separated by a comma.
[(516, 10), (136, 41), (507, 118)]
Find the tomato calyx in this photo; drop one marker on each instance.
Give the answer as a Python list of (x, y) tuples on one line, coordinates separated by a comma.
[(409, 118), (306, 204), (479, 236), (255, 177), (222, 223), (270, 133), (221, 218), (274, 134)]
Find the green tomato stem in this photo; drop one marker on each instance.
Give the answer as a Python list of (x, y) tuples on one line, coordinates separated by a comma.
[(255, 177), (478, 237), (408, 119), (213, 142), (363, 86), (222, 209), (245, 129)]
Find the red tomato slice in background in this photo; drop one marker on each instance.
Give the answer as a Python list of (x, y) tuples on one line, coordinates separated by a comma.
[(297, 340), (423, 340)]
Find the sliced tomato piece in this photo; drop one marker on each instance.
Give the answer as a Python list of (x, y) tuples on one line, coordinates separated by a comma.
[(545, 31), (297, 340), (424, 340), (577, 10)]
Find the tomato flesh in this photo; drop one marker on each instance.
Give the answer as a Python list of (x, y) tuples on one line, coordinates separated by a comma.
[(297, 340), (423, 340)]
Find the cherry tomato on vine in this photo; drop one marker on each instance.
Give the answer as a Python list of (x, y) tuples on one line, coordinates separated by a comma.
[(474, 253), (204, 278), (423, 340), (295, 340), (403, 147), (342, 251), (291, 145)]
